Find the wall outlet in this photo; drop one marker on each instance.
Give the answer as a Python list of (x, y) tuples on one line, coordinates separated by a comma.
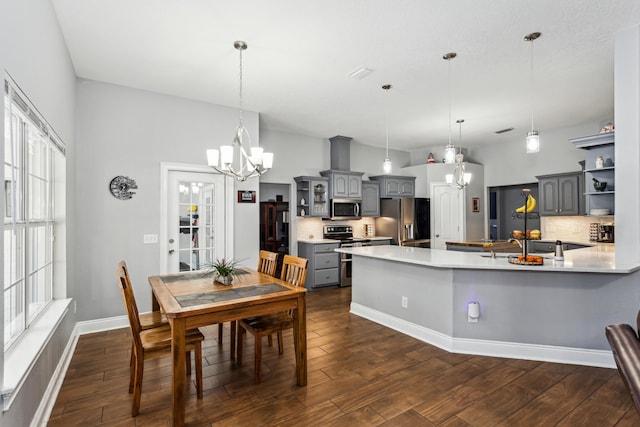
[(150, 239), (405, 302), (472, 319)]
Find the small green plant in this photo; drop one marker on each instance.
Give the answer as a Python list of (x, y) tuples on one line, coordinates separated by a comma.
[(225, 267)]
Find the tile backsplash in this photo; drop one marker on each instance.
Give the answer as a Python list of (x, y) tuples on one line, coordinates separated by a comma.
[(570, 228), (312, 228)]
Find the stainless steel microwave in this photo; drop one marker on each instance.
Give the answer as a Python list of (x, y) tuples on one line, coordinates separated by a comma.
[(345, 209)]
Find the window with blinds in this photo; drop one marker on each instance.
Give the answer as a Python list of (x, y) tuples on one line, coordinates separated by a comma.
[(30, 149)]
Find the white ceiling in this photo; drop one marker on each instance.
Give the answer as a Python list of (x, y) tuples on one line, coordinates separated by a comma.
[(300, 52)]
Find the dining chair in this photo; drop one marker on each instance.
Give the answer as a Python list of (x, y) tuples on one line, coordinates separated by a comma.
[(149, 320), (267, 262), (154, 342), (294, 271)]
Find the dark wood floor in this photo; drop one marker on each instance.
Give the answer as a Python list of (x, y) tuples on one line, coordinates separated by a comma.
[(360, 373)]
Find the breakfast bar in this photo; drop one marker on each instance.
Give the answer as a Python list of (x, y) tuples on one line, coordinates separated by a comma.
[(553, 312)]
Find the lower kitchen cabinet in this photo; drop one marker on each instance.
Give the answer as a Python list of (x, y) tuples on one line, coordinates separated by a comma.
[(380, 242), (323, 269)]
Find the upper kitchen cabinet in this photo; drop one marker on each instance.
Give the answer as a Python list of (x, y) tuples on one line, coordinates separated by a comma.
[(312, 196), (344, 184), (599, 172), (370, 198), (560, 194), (396, 186)]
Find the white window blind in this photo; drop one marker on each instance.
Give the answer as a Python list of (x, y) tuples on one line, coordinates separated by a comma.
[(29, 223)]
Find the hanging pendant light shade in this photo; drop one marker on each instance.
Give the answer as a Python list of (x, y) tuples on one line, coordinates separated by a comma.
[(255, 162), (449, 149), (387, 167), (532, 143), (459, 178)]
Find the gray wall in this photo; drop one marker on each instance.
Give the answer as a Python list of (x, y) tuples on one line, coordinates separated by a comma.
[(123, 131), (530, 307), (558, 309), (506, 162), (33, 52)]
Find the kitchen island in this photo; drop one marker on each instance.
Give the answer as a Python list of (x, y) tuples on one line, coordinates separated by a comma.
[(553, 312)]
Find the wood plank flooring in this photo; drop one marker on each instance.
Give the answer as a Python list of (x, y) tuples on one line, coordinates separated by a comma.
[(360, 374)]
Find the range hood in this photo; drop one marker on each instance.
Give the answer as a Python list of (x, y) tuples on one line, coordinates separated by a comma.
[(340, 151)]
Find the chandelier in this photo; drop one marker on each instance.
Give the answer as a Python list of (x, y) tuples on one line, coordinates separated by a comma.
[(533, 139), (459, 178), (247, 165)]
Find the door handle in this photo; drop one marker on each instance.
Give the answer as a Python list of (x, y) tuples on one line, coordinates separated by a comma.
[(171, 251)]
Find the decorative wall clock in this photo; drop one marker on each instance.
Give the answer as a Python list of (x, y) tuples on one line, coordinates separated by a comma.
[(121, 187)]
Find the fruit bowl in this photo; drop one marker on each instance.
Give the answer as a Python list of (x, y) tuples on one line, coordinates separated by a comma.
[(530, 260)]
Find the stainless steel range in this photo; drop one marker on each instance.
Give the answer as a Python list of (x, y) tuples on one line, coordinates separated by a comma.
[(344, 233)]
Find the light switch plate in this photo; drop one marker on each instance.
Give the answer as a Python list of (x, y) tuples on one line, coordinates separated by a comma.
[(150, 239)]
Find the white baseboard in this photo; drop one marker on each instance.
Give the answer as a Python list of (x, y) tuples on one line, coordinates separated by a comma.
[(99, 325), (545, 353), (41, 417)]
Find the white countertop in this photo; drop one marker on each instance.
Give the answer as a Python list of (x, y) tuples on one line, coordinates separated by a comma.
[(322, 241), (595, 259)]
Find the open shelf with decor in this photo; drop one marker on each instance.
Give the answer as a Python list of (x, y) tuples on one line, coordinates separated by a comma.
[(599, 173), (312, 196)]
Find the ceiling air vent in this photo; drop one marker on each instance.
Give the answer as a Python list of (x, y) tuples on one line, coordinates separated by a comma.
[(503, 130), (360, 73)]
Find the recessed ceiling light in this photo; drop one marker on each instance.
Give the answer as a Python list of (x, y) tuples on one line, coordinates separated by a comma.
[(503, 130), (360, 73)]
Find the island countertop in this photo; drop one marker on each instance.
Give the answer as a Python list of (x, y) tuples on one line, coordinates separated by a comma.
[(596, 259)]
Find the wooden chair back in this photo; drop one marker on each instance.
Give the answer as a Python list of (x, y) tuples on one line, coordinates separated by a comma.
[(122, 275), (294, 270), (267, 262)]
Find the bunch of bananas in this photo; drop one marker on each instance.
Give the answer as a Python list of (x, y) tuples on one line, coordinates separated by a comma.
[(529, 206)]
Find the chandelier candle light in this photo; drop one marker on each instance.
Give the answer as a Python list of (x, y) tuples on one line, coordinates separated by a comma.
[(459, 178), (248, 165), (386, 165), (533, 139), (449, 150)]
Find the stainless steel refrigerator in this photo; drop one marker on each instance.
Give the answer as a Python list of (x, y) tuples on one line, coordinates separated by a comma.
[(406, 221)]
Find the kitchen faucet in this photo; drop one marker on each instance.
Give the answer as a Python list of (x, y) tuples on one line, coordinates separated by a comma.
[(520, 242)]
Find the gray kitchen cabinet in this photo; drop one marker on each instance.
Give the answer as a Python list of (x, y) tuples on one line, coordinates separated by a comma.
[(312, 196), (395, 185), (560, 194), (380, 242), (370, 198), (598, 146), (323, 269), (546, 246), (344, 184)]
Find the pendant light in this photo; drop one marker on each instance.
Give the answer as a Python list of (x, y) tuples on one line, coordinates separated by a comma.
[(251, 164), (449, 150), (459, 178), (386, 165), (533, 139)]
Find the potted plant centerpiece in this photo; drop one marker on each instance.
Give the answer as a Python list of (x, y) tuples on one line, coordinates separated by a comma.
[(225, 270)]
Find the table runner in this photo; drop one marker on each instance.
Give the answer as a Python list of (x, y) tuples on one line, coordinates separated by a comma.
[(229, 294)]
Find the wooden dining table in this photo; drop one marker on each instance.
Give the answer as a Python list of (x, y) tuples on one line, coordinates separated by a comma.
[(193, 299)]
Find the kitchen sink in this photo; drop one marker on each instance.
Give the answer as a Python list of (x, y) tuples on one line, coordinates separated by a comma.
[(500, 255)]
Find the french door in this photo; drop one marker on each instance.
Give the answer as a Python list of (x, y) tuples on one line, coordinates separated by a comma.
[(195, 219)]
